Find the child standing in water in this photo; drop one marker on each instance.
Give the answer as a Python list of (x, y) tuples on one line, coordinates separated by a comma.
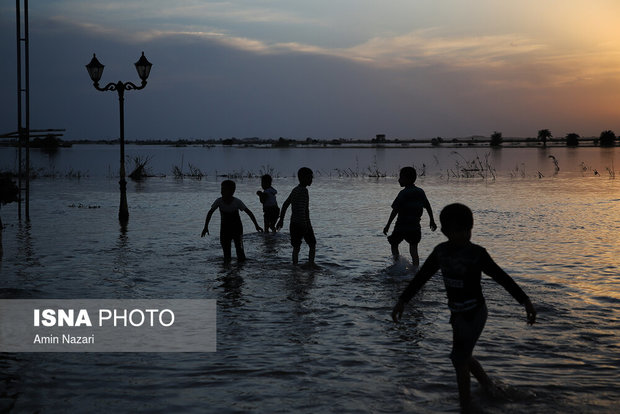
[(231, 228), (461, 263), (408, 207), (267, 197), (301, 227)]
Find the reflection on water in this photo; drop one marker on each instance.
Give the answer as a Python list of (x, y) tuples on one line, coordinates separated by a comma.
[(102, 160), (231, 282), (25, 248), (299, 340)]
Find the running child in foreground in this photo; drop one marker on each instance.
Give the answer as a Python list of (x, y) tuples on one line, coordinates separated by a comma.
[(231, 228), (267, 197), (408, 207), (461, 263), (301, 227)]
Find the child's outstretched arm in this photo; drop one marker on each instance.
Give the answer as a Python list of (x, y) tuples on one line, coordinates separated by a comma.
[(429, 210), (530, 311), (393, 215), (249, 213), (500, 276), (205, 230), (287, 202), (428, 269)]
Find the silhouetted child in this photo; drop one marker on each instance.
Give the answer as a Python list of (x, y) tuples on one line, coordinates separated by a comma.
[(267, 197), (231, 228), (301, 227), (408, 206), (461, 263)]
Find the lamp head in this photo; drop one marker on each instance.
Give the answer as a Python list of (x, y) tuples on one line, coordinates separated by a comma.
[(143, 66), (95, 69)]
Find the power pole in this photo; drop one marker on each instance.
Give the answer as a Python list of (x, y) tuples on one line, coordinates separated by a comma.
[(23, 101)]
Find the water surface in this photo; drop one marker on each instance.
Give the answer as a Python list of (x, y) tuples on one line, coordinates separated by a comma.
[(298, 340)]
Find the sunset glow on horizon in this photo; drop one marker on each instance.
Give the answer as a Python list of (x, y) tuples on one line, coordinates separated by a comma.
[(407, 69)]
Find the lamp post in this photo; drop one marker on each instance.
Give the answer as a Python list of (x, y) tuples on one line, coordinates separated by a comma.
[(95, 70)]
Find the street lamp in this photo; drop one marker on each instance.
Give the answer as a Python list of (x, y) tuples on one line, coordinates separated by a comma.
[(95, 70)]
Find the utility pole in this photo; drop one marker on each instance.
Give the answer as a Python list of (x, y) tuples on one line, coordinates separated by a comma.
[(23, 102)]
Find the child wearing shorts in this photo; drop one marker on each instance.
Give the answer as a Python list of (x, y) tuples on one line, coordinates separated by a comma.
[(408, 207), (231, 229), (462, 263), (267, 197), (301, 227)]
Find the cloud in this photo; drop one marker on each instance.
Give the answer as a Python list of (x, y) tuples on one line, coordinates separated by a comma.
[(233, 12), (418, 84), (180, 12), (426, 47), (413, 49), (502, 61)]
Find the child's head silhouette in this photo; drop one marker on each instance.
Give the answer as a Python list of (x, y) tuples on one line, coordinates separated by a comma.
[(228, 188), (407, 176), (265, 181), (305, 176), (455, 218)]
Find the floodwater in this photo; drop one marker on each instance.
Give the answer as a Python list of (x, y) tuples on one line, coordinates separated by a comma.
[(291, 339)]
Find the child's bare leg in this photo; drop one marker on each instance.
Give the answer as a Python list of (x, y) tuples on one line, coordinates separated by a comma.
[(415, 258), (296, 254), (476, 369), (239, 249), (266, 225), (464, 383), (395, 252), (226, 249), (311, 253)]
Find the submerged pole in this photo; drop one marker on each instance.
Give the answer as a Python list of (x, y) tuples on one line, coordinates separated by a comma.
[(19, 104), (123, 211), (23, 103), (27, 92)]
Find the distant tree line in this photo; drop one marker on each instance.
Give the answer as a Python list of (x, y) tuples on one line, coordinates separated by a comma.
[(51, 142), (606, 138)]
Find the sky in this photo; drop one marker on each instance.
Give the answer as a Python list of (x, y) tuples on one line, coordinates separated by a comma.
[(326, 69)]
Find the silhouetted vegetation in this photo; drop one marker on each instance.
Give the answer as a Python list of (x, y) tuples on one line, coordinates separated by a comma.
[(496, 139), (49, 143), (474, 168), (238, 174), (572, 139), (436, 141), (556, 164), (475, 140), (194, 172), (607, 139), (378, 139), (519, 171), (544, 135), (370, 172), (139, 172), (611, 171), (283, 143), (268, 170), (87, 206)]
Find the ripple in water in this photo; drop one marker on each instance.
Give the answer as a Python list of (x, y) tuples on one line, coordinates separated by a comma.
[(300, 340)]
